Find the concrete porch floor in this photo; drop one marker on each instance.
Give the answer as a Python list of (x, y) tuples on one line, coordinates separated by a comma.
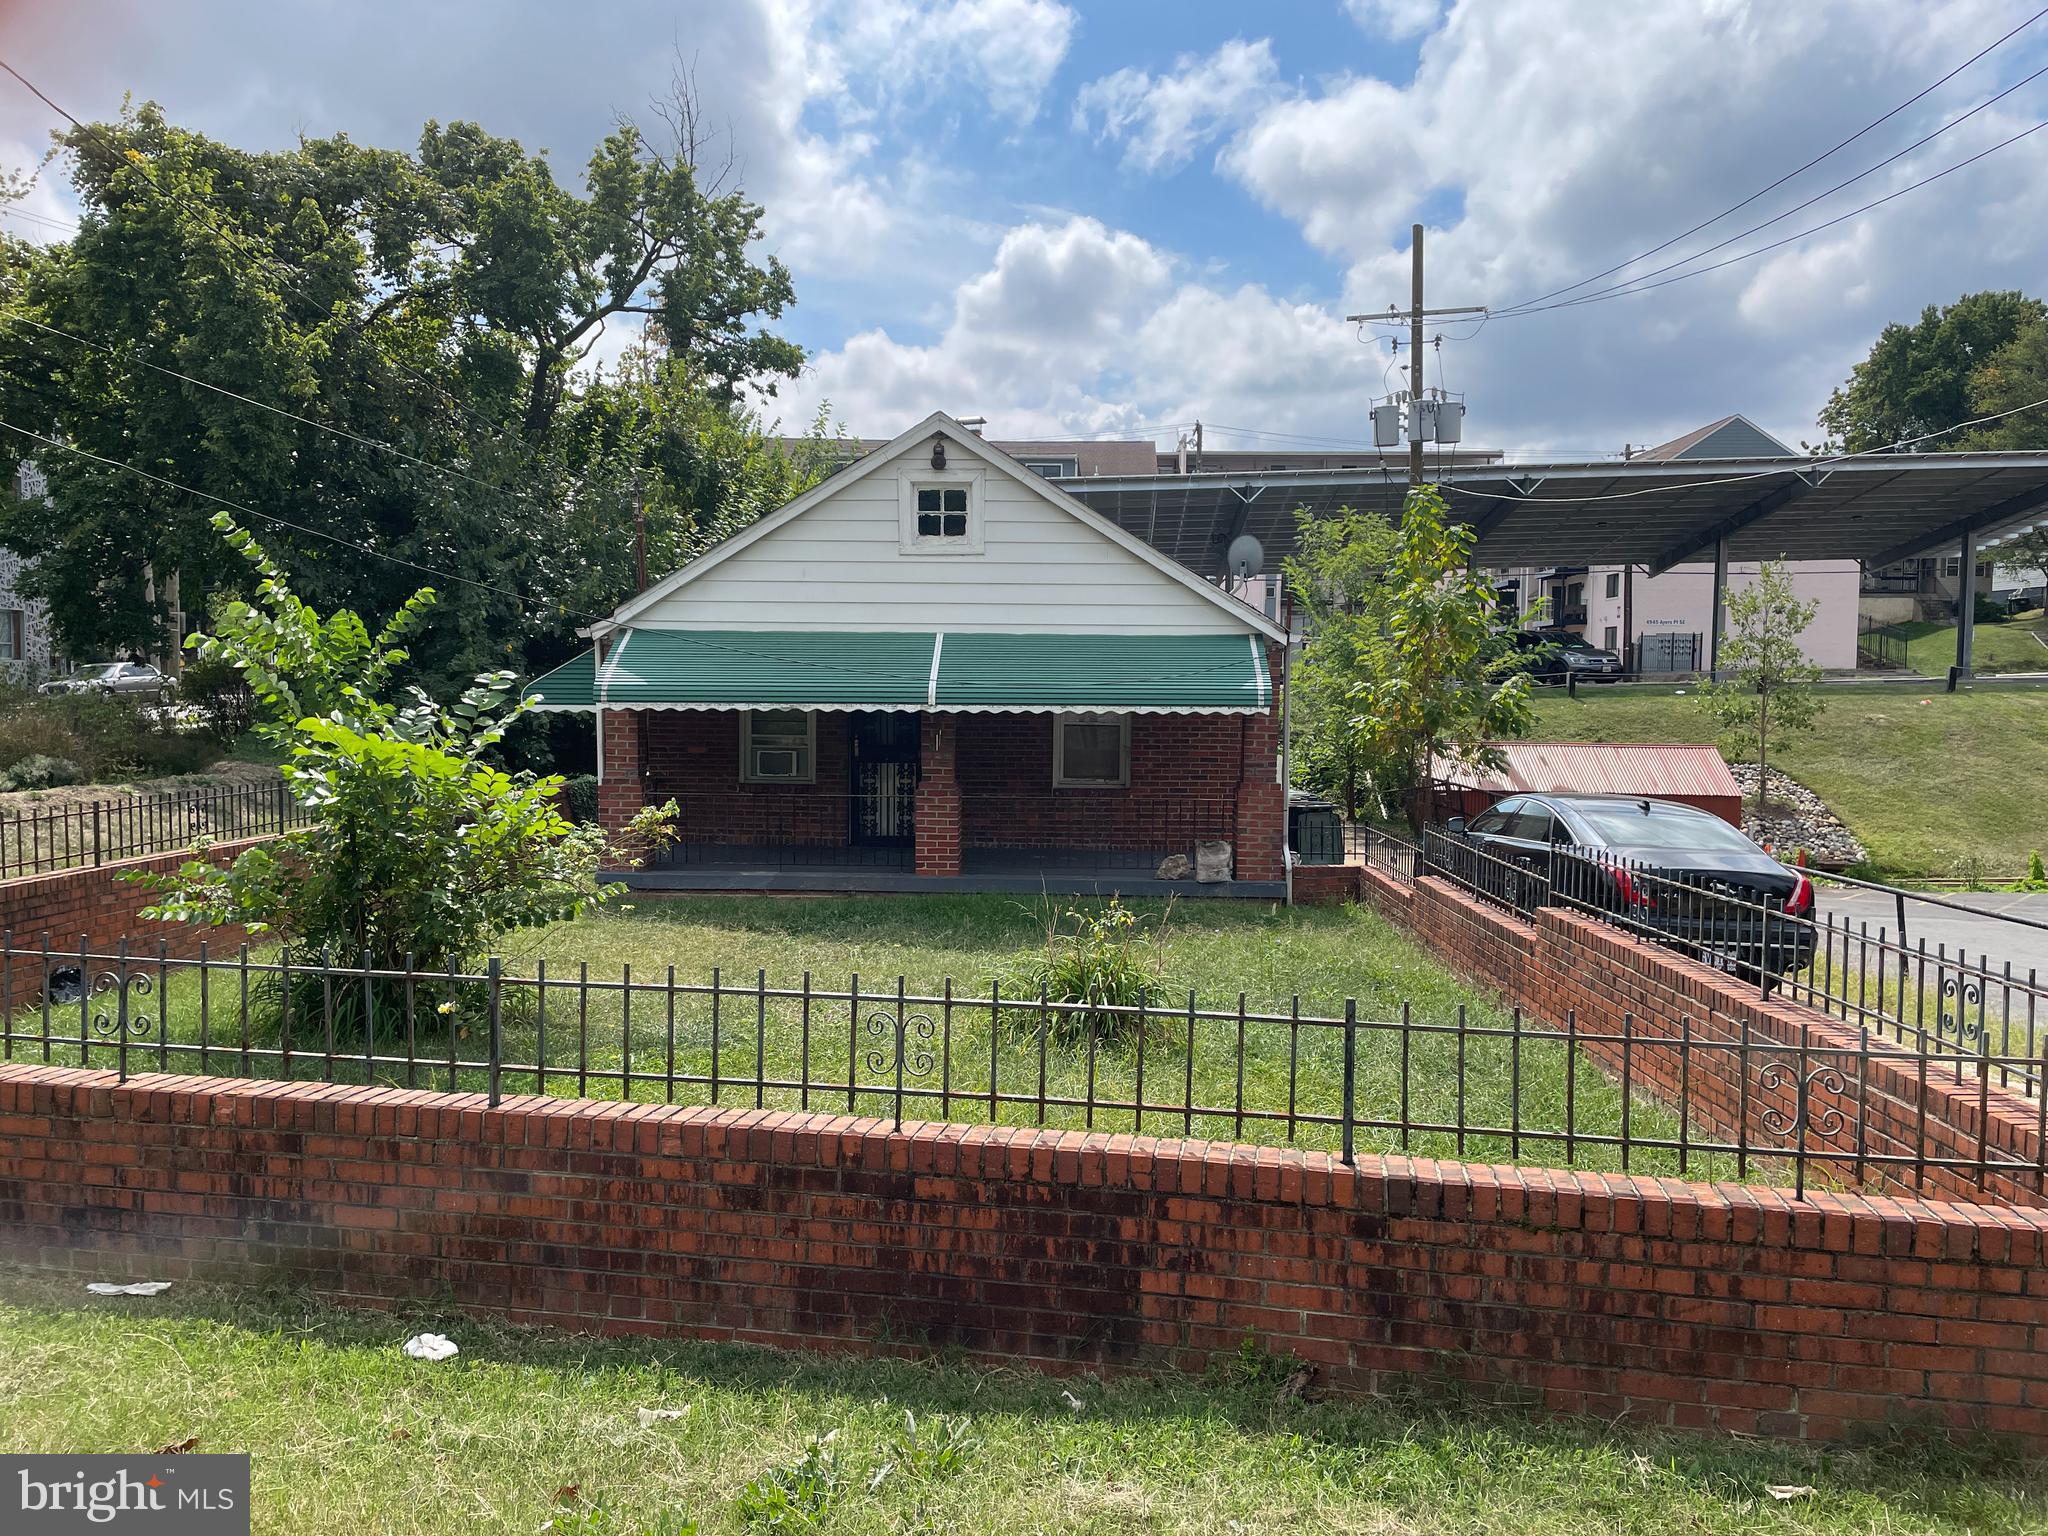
[(1015, 871)]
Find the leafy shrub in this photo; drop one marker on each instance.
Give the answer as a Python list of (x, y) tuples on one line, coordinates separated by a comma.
[(798, 1496), (224, 702), (108, 737), (579, 799), (39, 770), (2037, 874), (1103, 959)]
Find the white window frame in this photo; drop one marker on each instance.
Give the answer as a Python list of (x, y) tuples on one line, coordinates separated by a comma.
[(1059, 750), (915, 479), (809, 750)]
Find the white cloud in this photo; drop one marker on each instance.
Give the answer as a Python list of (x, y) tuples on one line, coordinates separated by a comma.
[(888, 50), (1162, 120), (1394, 18), (1074, 326), (1542, 142)]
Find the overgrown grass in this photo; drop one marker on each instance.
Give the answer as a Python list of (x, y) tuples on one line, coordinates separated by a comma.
[(2009, 647), (1524, 1092), (1924, 778), (347, 1435)]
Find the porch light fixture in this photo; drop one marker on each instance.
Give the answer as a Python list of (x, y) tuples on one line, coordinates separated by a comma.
[(938, 450)]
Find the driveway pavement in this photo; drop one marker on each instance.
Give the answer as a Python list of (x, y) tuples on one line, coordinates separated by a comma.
[(1977, 932)]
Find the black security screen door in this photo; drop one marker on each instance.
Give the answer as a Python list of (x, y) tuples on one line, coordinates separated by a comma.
[(883, 764)]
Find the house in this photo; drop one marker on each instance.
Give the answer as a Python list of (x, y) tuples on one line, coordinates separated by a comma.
[(937, 670), (26, 652), (1664, 624)]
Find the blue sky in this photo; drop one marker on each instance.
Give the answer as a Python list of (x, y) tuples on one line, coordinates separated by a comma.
[(1104, 217)]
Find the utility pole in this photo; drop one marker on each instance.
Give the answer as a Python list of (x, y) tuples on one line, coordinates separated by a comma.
[(1414, 316), (1415, 351), (639, 536)]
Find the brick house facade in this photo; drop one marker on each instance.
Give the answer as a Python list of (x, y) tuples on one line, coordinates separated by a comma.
[(997, 687)]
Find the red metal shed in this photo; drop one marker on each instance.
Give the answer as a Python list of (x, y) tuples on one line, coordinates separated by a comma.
[(1691, 775)]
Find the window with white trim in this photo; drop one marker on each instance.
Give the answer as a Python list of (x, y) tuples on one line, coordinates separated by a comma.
[(778, 746), (941, 512), (1091, 751)]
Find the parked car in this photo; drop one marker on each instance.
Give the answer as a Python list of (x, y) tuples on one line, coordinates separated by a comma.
[(135, 678), (1556, 656), (1674, 872)]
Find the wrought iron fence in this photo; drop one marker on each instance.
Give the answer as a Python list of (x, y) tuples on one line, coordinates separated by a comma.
[(1703, 1098), (1991, 1019), (102, 831), (1881, 645)]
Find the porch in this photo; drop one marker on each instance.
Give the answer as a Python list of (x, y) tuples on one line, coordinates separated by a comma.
[(905, 801)]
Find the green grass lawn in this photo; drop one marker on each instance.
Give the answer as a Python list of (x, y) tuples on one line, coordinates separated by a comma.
[(1923, 777), (1217, 949), (1931, 648), (345, 1434)]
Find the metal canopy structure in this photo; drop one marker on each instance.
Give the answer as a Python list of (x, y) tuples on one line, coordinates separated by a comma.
[(1876, 508)]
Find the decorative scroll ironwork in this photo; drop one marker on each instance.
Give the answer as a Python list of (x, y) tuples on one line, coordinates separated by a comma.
[(1776, 1076), (115, 989), (1960, 989), (906, 1042)]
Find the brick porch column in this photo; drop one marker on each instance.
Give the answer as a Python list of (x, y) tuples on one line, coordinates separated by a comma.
[(621, 789), (1260, 853), (938, 796)]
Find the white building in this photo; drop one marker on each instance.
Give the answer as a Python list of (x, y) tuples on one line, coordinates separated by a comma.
[(1664, 624)]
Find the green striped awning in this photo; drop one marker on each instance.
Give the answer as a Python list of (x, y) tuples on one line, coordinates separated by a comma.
[(1160, 673), (737, 669)]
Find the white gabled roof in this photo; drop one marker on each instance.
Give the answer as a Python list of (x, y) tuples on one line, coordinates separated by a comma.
[(939, 421)]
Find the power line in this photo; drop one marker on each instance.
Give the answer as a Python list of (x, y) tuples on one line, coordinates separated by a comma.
[(15, 317), (1761, 474), (1762, 250), (281, 522), (1792, 174), (1633, 283), (236, 238)]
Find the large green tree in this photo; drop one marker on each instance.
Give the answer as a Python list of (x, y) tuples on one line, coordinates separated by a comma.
[(1405, 663), (1919, 378), (391, 349)]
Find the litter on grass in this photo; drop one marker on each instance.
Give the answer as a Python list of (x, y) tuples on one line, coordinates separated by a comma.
[(136, 1288), (429, 1346), (649, 1417)]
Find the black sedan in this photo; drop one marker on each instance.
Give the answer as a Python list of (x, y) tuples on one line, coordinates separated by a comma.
[(1672, 872)]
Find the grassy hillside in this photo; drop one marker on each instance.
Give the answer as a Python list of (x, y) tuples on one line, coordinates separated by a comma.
[(1931, 648), (1922, 777)]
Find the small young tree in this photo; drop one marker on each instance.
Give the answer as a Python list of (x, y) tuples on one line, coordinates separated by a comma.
[(1768, 692), (419, 847), (1406, 660)]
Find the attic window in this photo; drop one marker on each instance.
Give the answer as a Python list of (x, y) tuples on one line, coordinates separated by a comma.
[(942, 511)]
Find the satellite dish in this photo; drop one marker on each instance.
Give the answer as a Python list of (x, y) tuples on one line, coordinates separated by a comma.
[(1245, 558)]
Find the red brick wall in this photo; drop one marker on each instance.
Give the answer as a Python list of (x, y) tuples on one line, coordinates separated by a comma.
[(1185, 772), (96, 907), (1192, 777), (1562, 966), (693, 756), (1712, 1306), (936, 821)]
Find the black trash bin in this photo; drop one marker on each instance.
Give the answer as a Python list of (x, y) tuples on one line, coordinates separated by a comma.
[(1315, 830)]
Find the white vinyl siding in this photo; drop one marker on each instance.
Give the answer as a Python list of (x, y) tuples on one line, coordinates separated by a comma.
[(841, 566)]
